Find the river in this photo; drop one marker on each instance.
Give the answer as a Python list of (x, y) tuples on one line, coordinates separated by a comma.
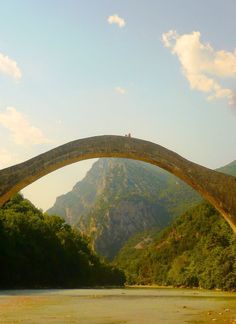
[(117, 306)]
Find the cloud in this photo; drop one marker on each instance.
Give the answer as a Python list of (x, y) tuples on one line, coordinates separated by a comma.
[(22, 132), (120, 90), (117, 20), (234, 100), (58, 122), (9, 67), (201, 64)]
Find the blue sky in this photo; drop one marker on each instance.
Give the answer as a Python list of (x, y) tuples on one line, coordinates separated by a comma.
[(66, 72)]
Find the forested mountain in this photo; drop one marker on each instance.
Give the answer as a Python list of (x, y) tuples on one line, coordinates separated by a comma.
[(38, 250), (120, 197), (197, 250)]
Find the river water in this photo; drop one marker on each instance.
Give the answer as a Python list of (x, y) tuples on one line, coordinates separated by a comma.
[(117, 306)]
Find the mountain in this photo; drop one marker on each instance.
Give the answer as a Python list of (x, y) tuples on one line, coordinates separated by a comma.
[(197, 250), (229, 169), (120, 197)]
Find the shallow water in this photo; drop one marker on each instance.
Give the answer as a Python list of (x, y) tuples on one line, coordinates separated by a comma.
[(116, 306)]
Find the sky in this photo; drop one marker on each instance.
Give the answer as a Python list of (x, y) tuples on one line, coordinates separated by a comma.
[(164, 71)]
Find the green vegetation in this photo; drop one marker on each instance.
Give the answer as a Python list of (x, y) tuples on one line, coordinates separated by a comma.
[(37, 250), (197, 250)]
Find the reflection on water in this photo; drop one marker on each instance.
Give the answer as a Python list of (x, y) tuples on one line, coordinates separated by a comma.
[(113, 306)]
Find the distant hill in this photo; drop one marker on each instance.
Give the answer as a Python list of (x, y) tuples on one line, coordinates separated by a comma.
[(119, 198), (229, 169), (197, 250)]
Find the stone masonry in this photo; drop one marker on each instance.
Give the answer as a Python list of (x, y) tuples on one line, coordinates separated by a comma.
[(219, 189)]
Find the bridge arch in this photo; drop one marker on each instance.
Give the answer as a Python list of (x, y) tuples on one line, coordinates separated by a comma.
[(219, 189)]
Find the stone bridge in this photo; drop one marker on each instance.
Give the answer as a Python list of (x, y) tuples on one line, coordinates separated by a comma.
[(219, 189)]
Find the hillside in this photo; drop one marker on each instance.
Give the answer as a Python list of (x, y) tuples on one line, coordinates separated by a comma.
[(120, 197), (197, 250), (229, 168), (38, 251)]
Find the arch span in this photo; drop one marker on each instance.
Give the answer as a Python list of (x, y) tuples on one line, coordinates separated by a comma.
[(219, 189)]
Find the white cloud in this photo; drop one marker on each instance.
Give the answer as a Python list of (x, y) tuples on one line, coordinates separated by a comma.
[(9, 67), (117, 20), (58, 122), (201, 64), (23, 133), (120, 90)]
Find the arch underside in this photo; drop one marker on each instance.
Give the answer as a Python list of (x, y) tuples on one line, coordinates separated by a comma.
[(219, 189)]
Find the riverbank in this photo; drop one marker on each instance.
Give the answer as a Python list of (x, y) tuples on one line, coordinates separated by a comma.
[(110, 306), (182, 287)]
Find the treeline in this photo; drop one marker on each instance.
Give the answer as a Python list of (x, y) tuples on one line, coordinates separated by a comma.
[(37, 250), (197, 250)]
